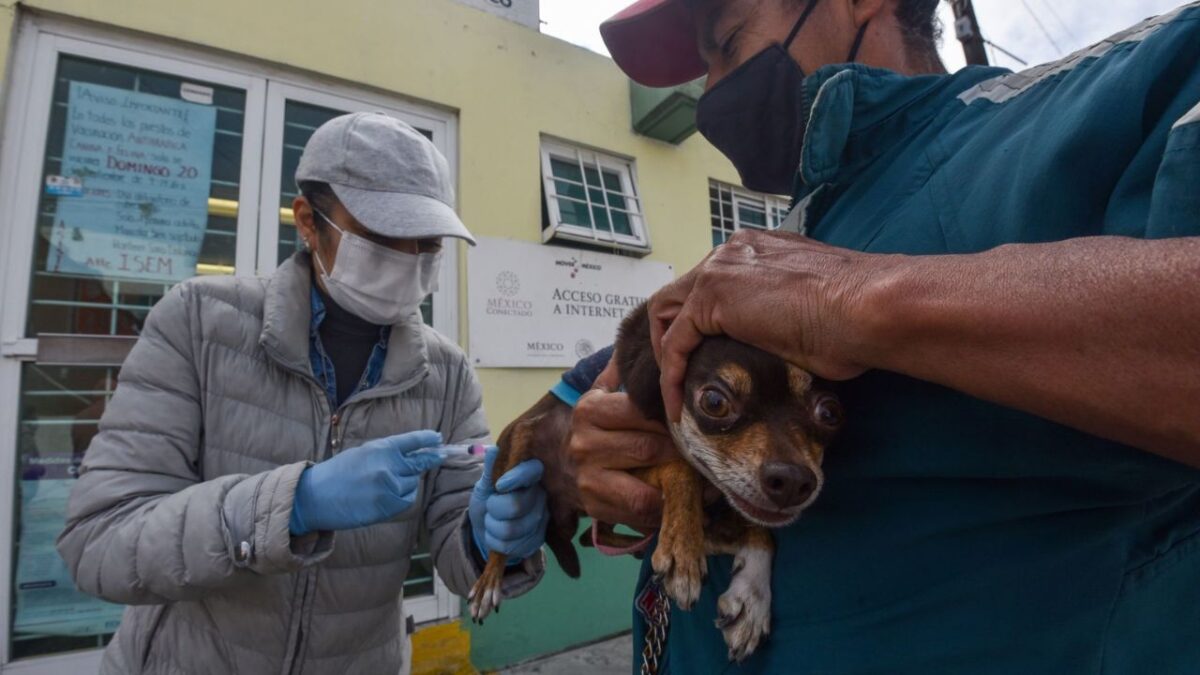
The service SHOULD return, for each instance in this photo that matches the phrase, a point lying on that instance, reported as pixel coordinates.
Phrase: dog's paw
(485, 595)
(682, 571)
(744, 610)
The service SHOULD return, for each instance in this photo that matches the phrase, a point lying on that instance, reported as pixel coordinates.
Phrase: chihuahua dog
(753, 426)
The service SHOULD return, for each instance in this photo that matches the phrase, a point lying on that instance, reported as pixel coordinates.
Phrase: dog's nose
(787, 484)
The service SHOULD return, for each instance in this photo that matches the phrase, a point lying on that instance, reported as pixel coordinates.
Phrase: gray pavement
(609, 657)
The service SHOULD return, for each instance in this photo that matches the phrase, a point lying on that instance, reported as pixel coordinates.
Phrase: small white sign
(196, 93)
(64, 186)
(537, 306)
(525, 12)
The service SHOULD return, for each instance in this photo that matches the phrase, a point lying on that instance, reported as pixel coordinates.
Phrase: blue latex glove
(509, 516)
(365, 485)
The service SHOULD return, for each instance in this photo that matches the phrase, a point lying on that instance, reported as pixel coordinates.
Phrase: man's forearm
(1101, 334)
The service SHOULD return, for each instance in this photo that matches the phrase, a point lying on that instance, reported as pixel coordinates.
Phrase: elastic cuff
(566, 393)
(237, 514)
(277, 550)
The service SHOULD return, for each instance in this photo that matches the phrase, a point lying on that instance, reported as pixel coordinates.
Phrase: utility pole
(966, 29)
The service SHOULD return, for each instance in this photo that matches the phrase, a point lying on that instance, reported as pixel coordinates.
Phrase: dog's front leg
(679, 558)
(744, 609)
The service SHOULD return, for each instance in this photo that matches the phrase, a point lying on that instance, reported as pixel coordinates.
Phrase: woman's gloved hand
(509, 516)
(365, 485)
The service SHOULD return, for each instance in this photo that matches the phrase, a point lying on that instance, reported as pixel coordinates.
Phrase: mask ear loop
(862, 31)
(812, 4)
(313, 250)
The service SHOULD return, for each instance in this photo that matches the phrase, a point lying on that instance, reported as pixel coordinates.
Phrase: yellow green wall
(8, 12)
(508, 85)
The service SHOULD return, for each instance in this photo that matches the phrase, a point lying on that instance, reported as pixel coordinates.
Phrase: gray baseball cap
(387, 175)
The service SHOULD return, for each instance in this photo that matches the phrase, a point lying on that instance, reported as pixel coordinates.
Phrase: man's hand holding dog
(1051, 329)
(785, 294)
(609, 437)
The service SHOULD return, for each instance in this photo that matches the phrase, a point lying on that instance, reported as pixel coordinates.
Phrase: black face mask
(756, 116)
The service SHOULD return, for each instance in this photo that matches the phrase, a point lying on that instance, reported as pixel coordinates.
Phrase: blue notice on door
(144, 165)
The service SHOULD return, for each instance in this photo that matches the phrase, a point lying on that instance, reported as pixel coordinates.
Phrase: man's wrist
(884, 309)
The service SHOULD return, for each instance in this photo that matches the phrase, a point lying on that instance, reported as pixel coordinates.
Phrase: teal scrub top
(954, 535)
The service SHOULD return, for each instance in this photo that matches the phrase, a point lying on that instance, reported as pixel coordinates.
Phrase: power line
(1007, 53)
(1057, 17)
(1041, 26)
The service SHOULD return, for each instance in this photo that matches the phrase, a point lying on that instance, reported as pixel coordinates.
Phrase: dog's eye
(714, 404)
(828, 412)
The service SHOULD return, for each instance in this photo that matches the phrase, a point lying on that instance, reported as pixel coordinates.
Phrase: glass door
(142, 165)
(127, 167)
(293, 114)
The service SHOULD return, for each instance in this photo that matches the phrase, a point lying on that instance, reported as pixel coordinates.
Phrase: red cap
(654, 42)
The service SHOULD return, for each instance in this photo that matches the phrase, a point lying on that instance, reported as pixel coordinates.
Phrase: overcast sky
(1066, 25)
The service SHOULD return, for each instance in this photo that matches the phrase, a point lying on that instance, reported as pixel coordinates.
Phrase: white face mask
(376, 283)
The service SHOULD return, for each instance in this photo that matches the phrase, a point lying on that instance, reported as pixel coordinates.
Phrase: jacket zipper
(335, 440)
(309, 576)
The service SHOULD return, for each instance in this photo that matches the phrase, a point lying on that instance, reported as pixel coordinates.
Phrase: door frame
(27, 120)
(26, 98)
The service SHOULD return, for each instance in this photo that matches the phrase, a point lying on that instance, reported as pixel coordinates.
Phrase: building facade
(144, 142)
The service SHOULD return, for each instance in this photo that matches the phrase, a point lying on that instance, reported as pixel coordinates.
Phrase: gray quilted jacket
(182, 507)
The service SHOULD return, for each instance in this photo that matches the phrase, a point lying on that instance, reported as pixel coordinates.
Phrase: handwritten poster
(145, 164)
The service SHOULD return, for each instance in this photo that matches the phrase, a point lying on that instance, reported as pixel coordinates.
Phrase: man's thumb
(609, 379)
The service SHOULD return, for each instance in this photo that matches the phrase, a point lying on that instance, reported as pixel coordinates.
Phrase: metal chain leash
(658, 619)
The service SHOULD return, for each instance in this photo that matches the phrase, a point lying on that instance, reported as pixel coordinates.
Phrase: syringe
(451, 450)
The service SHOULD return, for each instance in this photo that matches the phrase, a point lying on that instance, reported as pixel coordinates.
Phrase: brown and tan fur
(764, 456)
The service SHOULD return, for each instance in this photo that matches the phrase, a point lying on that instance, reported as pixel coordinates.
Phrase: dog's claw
(744, 610)
(485, 595)
(724, 620)
(682, 574)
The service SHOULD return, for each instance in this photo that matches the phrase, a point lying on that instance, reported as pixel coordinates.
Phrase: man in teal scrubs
(1004, 269)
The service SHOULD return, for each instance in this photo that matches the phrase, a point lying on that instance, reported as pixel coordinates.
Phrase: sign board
(46, 598)
(525, 12)
(64, 186)
(139, 169)
(537, 306)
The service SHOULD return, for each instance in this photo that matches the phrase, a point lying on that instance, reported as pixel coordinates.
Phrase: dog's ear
(636, 364)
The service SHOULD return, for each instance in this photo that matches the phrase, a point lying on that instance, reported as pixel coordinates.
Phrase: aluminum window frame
(774, 207)
(588, 158)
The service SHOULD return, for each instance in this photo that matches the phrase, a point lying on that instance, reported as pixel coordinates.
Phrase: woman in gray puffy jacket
(271, 453)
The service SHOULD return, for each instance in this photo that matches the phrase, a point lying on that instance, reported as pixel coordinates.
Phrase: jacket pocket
(1155, 621)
